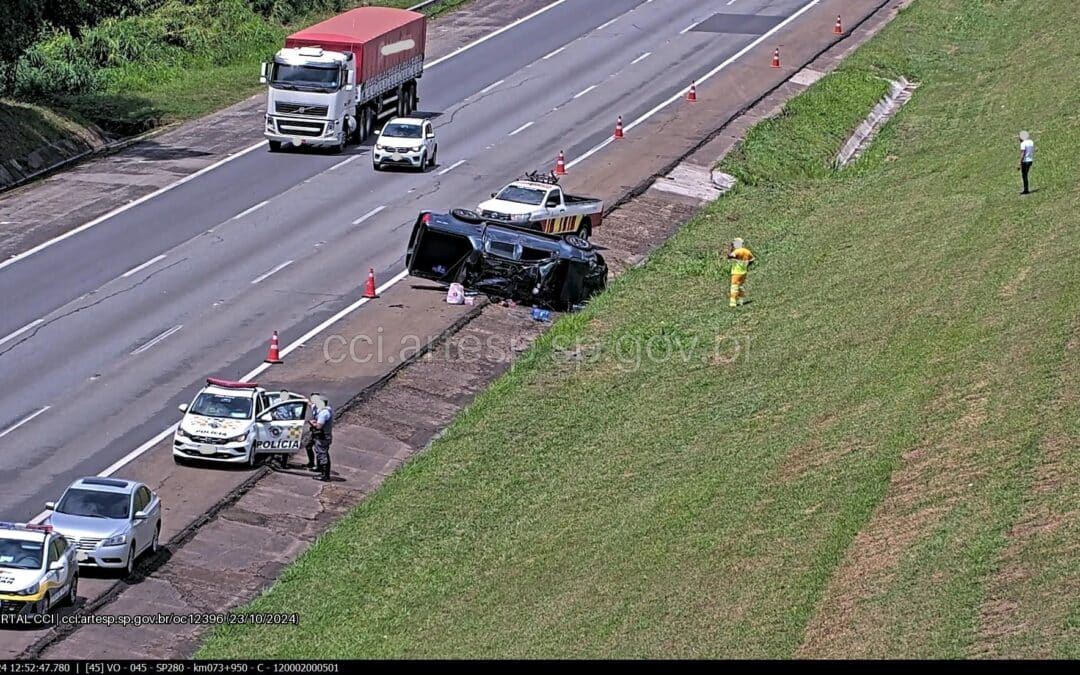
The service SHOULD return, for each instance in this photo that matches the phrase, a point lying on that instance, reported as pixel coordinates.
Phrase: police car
(240, 423)
(38, 569)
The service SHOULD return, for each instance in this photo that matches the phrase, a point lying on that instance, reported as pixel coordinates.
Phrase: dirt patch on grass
(931, 479)
(816, 453)
(1026, 607)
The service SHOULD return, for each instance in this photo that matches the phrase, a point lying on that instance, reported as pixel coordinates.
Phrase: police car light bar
(6, 525)
(228, 384)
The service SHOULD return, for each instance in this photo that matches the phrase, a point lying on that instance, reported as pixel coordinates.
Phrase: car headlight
(115, 540)
(32, 590)
(180, 432)
(520, 218)
(380, 147)
(239, 439)
(330, 125)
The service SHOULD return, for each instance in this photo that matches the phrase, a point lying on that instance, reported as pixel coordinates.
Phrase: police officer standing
(322, 434)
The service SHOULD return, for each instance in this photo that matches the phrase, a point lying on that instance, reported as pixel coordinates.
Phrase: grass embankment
(133, 74)
(889, 470)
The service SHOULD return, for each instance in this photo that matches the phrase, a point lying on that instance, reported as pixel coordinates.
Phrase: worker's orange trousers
(737, 293)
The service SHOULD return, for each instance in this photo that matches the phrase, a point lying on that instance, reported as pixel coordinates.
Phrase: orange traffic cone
(776, 58)
(273, 355)
(369, 290)
(839, 27)
(618, 127)
(692, 94)
(560, 165)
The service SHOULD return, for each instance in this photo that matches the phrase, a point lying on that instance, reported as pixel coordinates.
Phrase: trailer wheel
(369, 122)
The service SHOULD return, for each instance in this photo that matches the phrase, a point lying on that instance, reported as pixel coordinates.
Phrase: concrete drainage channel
(900, 92)
(235, 551)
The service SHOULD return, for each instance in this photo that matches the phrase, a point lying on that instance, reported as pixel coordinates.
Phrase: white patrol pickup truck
(38, 570)
(538, 203)
(237, 422)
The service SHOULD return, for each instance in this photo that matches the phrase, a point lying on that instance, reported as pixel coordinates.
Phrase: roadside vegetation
(875, 458)
(141, 64)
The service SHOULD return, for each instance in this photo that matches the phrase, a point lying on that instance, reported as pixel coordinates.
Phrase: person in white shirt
(1027, 156)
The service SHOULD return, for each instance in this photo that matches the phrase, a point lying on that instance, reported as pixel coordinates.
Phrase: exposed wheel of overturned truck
(578, 242)
(467, 215)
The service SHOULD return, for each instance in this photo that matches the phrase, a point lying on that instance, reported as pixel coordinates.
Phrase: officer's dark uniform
(321, 439)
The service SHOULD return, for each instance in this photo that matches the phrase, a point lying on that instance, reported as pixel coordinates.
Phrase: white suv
(406, 141)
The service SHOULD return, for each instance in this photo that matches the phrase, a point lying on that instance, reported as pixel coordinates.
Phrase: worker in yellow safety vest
(741, 258)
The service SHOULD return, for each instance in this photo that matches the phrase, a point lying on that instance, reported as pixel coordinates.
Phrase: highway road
(105, 332)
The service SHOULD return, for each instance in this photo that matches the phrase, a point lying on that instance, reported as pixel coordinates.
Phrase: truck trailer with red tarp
(332, 82)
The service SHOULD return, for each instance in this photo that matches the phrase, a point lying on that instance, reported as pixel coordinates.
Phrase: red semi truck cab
(332, 82)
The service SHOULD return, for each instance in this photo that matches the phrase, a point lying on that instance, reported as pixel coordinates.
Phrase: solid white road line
(251, 210)
(15, 426)
(145, 447)
(607, 23)
(367, 215)
(277, 269)
(22, 330)
(523, 127)
(343, 163)
(641, 58)
(451, 167)
(261, 144)
(550, 54)
(100, 219)
(584, 91)
(491, 86)
(140, 268)
(487, 37)
(689, 28)
(156, 340)
(732, 59)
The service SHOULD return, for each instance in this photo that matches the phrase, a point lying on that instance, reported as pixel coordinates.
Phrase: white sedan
(406, 141)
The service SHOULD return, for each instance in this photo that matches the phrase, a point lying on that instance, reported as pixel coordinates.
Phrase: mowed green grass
(876, 457)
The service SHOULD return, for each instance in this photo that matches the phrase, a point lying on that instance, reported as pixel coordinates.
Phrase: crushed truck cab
(538, 203)
(240, 422)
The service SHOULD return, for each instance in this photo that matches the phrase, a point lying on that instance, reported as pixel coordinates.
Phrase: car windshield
(216, 405)
(522, 195)
(20, 554)
(304, 77)
(94, 504)
(402, 131)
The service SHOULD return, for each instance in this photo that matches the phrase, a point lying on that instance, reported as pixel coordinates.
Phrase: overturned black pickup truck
(503, 261)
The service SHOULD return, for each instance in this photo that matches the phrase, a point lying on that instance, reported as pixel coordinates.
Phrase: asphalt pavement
(124, 320)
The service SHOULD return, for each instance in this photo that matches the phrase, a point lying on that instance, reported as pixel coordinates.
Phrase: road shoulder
(240, 550)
